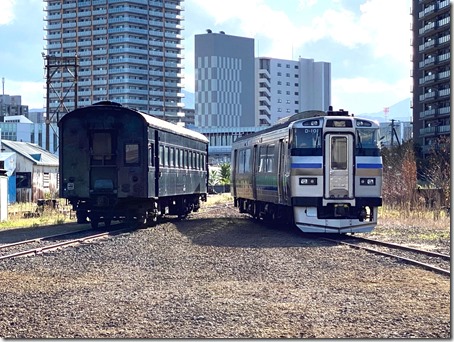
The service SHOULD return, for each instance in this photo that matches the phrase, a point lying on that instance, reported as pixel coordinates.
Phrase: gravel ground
(219, 274)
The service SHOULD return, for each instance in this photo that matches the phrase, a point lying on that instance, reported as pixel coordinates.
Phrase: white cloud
(389, 30)
(6, 11)
(303, 4)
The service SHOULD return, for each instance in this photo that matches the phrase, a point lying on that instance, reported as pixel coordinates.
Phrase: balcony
(427, 113)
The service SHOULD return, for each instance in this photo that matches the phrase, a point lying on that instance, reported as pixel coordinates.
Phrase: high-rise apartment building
(431, 71)
(286, 87)
(224, 81)
(128, 51)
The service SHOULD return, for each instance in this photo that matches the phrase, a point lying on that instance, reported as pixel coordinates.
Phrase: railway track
(44, 244)
(433, 261)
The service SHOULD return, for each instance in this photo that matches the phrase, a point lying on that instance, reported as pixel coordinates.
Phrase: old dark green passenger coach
(119, 164)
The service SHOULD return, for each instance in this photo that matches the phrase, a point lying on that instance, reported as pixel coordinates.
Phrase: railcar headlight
(308, 181)
(367, 181)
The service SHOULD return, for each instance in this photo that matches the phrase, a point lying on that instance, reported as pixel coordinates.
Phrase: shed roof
(33, 152)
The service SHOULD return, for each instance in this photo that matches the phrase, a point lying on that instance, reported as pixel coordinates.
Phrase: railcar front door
(339, 166)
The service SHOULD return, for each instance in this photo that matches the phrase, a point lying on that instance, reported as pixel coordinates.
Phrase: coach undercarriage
(143, 212)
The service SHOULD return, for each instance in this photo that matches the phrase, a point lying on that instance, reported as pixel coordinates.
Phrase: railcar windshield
(306, 142)
(367, 142)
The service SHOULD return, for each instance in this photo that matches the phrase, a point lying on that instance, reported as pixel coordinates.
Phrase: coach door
(103, 167)
(339, 166)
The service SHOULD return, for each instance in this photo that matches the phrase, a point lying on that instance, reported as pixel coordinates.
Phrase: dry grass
(30, 215)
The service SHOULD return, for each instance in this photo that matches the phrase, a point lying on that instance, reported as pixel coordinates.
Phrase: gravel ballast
(219, 274)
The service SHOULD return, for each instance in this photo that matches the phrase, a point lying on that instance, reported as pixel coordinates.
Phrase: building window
(46, 179)
(23, 180)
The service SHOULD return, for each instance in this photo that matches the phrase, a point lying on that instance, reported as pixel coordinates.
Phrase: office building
(128, 51)
(224, 81)
(431, 71)
(286, 87)
(12, 105)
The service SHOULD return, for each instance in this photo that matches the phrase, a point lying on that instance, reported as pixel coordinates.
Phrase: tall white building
(129, 51)
(286, 87)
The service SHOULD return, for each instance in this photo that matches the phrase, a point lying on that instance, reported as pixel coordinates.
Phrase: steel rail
(407, 248)
(410, 261)
(39, 250)
(38, 239)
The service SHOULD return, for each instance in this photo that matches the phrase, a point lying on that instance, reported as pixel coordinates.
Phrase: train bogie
(120, 164)
(324, 170)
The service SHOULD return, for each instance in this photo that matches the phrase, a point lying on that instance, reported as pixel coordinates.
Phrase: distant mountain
(188, 100)
(399, 111)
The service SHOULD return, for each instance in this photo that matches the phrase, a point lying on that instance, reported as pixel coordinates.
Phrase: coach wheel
(107, 222)
(94, 222)
(81, 216)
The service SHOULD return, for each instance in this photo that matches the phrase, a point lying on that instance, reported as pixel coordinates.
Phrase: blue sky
(367, 43)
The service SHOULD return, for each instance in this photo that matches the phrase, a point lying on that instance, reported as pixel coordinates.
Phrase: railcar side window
(270, 158)
(247, 160)
(131, 153)
(244, 160)
(266, 158)
(262, 159)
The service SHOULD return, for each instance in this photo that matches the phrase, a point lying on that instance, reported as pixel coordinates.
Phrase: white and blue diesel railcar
(321, 171)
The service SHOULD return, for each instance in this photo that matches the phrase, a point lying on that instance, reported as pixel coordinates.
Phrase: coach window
(151, 154)
(131, 153)
(181, 159)
(172, 157)
(166, 155)
(185, 159)
(101, 148)
(161, 155)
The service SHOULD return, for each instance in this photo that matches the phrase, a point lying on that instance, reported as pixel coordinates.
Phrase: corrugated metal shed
(36, 171)
(33, 152)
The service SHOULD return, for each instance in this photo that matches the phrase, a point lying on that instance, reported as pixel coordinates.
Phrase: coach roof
(151, 120)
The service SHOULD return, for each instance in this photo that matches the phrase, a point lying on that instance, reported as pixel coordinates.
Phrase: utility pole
(394, 133)
(55, 67)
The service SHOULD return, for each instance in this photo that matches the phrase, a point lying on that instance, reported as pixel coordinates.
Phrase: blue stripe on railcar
(369, 166)
(306, 165)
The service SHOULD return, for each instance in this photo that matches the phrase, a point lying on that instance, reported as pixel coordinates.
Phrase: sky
(367, 43)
